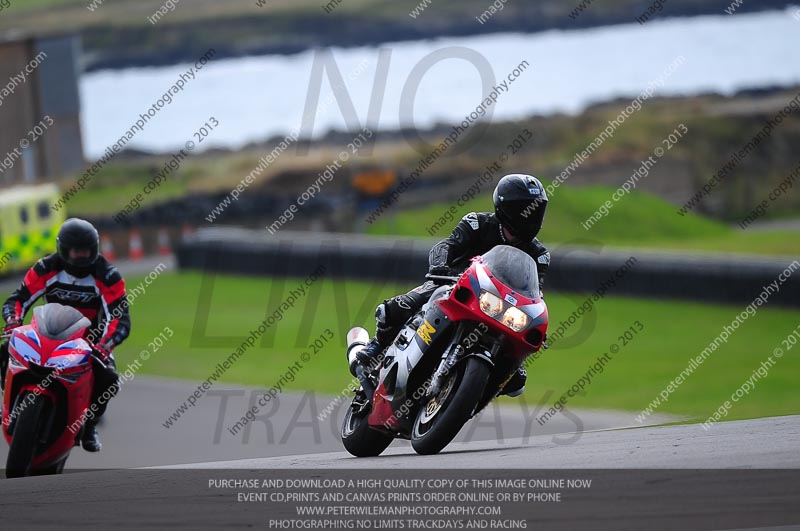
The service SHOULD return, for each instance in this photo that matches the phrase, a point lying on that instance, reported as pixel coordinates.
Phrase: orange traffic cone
(107, 247)
(163, 242)
(135, 251)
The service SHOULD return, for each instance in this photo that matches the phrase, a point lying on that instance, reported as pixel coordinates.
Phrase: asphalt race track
(134, 435)
(760, 443)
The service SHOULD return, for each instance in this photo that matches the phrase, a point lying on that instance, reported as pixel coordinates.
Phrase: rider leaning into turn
(78, 276)
(519, 206)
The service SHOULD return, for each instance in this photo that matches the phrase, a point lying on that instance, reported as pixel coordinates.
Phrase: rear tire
(361, 440)
(23, 442)
(442, 417)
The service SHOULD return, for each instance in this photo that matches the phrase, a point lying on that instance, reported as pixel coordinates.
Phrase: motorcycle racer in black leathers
(520, 202)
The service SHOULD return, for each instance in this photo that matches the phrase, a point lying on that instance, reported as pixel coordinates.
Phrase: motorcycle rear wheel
(23, 442)
(361, 440)
(439, 421)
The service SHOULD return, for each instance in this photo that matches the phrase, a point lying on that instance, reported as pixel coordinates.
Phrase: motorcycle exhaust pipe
(357, 339)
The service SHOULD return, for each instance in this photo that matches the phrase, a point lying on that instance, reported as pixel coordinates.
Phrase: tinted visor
(83, 261)
(524, 219)
(89, 248)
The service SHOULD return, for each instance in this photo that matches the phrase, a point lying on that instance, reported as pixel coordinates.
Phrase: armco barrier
(735, 279)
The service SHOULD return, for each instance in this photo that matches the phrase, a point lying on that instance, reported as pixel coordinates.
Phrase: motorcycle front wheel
(23, 442)
(439, 421)
(57, 468)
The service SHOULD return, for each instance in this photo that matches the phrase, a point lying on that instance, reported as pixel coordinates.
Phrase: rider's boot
(369, 354)
(384, 334)
(90, 440)
(367, 359)
(106, 382)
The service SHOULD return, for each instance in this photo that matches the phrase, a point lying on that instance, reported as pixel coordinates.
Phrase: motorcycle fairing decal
(417, 350)
(538, 321)
(475, 285)
(67, 360)
(75, 344)
(412, 354)
(535, 310)
(485, 282)
(425, 331)
(389, 379)
(33, 336)
(394, 373)
(25, 350)
(433, 314)
(382, 417)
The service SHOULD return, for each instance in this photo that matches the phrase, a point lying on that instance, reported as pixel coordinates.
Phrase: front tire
(23, 442)
(439, 421)
(361, 440)
(57, 468)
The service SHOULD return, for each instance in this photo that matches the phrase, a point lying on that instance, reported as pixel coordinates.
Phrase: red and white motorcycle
(48, 389)
(449, 360)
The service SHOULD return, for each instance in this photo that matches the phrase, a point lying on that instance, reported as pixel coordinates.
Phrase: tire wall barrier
(721, 279)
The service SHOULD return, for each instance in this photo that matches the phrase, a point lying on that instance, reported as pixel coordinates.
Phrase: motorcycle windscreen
(59, 322)
(514, 268)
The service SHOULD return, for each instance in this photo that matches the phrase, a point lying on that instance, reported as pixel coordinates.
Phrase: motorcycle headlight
(491, 304)
(12, 361)
(515, 319)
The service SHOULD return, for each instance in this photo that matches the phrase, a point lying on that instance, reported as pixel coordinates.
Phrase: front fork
(456, 352)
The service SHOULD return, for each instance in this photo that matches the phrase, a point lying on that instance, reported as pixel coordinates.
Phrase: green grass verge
(117, 184)
(673, 333)
(639, 220)
(32, 5)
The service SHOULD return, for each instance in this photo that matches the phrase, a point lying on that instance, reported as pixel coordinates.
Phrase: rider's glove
(11, 324)
(117, 338)
(102, 352)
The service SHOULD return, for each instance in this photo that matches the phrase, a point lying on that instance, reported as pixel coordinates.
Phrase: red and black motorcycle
(48, 389)
(451, 359)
